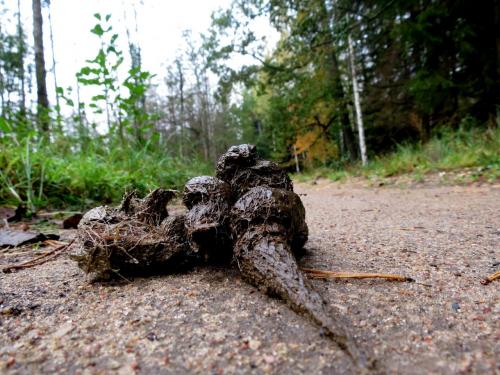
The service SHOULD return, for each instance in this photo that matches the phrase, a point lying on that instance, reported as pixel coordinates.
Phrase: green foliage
(136, 119)
(101, 71)
(446, 151)
(80, 166)
(126, 116)
(53, 175)
(420, 65)
(13, 54)
(427, 72)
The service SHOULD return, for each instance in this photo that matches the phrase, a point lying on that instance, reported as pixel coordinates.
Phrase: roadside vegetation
(54, 175)
(473, 151)
(373, 89)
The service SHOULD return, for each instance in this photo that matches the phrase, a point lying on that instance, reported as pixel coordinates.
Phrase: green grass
(55, 175)
(58, 175)
(447, 151)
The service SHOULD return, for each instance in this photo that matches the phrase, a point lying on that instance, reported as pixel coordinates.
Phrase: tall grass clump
(447, 150)
(57, 174)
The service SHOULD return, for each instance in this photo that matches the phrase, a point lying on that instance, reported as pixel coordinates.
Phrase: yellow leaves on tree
(314, 146)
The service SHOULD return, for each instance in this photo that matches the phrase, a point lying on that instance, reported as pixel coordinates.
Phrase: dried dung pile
(207, 221)
(140, 237)
(242, 169)
(135, 238)
(247, 213)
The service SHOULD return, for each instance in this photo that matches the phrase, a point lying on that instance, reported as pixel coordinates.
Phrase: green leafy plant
(126, 116)
(101, 71)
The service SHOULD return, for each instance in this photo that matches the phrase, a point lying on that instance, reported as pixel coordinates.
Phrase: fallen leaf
(10, 362)
(72, 221)
(10, 237)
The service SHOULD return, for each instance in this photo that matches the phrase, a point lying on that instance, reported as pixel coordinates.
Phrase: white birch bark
(297, 166)
(53, 60)
(357, 104)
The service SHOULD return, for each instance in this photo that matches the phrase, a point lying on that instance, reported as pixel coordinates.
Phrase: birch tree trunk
(296, 158)
(357, 105)
(41, 73)
(58, 106)
(21, 46)
(181, 115)
(347, 133)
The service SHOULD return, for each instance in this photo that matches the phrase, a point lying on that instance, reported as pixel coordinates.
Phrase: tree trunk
(357, 104)
(496, 98)
(42, 99)
(296, 158)
(81, 123)
(335, 80)
(181, 114)
(20, 36)
(58, 105)
(208, 113)
(338, 91)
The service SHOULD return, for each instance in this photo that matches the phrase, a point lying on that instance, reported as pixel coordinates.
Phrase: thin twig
(38, 260)
(491, 278)
(55, 243)
(323, 274)
(21, 253)
(410, 228)
(46, 254)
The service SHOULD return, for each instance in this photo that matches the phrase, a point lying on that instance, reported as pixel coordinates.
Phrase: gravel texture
(209, 321)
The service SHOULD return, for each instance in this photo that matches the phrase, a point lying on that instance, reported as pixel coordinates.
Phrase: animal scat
(207, 221)
(203, 189)
(267, 224)
(261, 205)
(264, 222)
(129, 202)
(153, 208)
(235, 158)
(262, 173)
(137, 237)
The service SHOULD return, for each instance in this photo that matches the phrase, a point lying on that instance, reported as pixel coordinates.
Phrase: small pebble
(10, 362)
(268, 359)
(135, 366)
(254, 344)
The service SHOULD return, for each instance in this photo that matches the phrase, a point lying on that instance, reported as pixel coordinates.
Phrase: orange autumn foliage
(313, 146)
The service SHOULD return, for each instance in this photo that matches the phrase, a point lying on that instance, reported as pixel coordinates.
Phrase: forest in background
(348, 83)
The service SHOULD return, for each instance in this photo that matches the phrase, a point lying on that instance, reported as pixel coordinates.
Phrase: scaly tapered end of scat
(265, 259)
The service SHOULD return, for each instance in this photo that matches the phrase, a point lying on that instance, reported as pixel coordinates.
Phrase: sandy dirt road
(210, 322)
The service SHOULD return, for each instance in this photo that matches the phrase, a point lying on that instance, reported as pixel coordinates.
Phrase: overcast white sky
(160, 25)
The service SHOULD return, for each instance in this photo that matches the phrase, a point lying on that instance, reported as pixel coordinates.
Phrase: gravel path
(209, 321)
